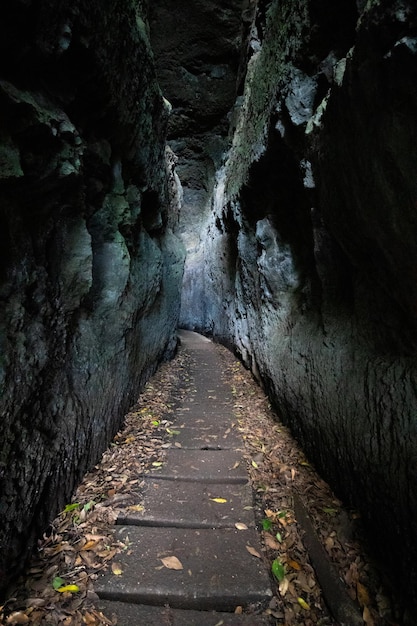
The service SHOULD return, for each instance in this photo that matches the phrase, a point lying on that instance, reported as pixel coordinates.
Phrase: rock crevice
(306, 256)
(291, 127)
(91, 271)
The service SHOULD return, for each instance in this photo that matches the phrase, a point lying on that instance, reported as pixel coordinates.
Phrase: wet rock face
(308, 253)
(197, 47)
(90, 270)
(377, 227)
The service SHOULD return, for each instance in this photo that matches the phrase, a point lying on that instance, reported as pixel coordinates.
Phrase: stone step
(209, 379)
(219, 412)
(181, 518)
(213, 466)
(205, 436)
(218, 571)
(203, 391)
(192, 505)
(206, 420)
(140, 615)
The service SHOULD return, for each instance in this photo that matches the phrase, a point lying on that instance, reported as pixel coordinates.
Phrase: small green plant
(278, 570)
(78, 511)
(71, 507)
(57, 582)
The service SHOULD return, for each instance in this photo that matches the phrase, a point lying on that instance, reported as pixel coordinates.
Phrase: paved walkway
(187, 563)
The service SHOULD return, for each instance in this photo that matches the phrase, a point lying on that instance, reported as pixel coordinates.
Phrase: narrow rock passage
(175, 478)
(190, 553)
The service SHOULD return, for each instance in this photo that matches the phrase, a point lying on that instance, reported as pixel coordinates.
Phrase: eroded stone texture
(308, 256)
(90, 269)
(197, 46)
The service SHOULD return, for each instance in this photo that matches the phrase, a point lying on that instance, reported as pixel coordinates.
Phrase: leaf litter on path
(81, 542)
(278, 470)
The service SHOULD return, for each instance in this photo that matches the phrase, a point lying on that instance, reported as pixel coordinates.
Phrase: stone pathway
(192, 504)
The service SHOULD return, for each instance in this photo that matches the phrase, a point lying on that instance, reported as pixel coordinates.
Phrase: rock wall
(90, 271)
(197, 49)
(309, 253)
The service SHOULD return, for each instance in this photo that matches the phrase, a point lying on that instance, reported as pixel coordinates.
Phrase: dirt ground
(57, 587)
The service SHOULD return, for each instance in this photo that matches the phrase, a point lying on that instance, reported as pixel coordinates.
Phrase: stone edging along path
(192, 552)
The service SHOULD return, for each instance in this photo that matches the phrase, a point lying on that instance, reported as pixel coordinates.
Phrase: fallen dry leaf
(253, 552)
(116, 568)
(95, 618)
(17, 618)
(329, 544)
(68, 589)
(367, 617)
(136, 507)
(90, 544)
(303, 604)
(171, 562)
(35, 602)
(362, 595)
(271, 542)
(283, 586)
